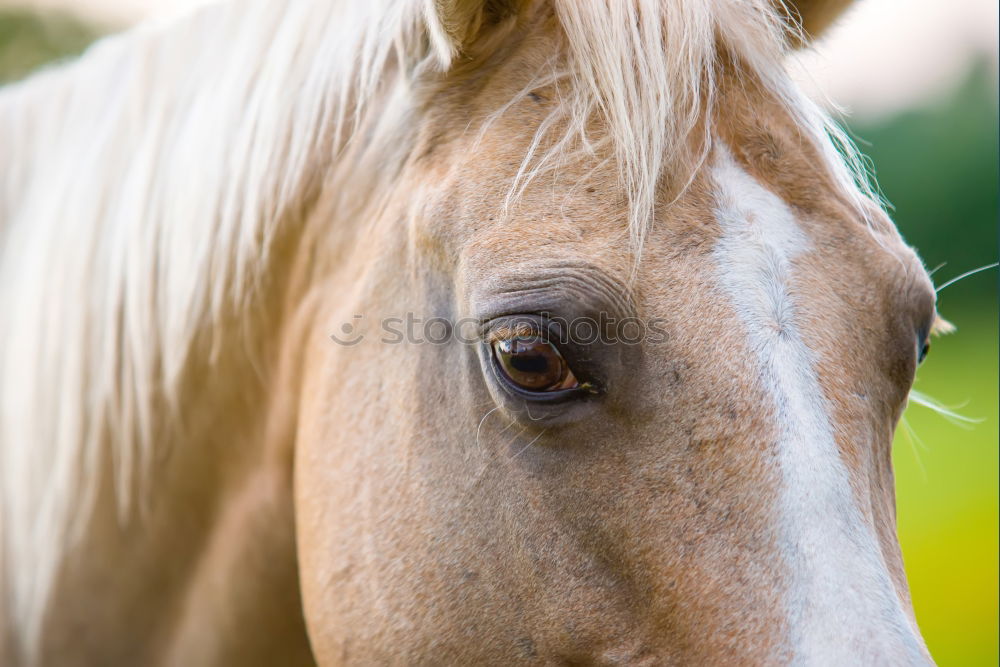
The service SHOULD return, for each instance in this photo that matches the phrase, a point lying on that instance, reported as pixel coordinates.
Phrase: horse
(659, 332)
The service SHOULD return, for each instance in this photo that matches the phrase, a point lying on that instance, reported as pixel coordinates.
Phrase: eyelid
(513, 329)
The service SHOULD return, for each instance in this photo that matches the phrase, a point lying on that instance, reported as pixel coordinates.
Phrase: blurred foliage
(938, 165)
(29, 39)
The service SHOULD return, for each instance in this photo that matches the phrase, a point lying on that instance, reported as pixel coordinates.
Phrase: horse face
(684, 459)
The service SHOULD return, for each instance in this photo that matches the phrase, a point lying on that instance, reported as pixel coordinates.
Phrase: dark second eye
(925, 348)
(533, 364)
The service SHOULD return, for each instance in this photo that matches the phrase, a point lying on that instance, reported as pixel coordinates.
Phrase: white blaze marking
(842, 607)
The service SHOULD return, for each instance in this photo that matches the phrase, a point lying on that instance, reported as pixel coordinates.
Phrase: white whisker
(966, 275)
(527, 411)
(525, 448)
(504, 429)
(948, 412)
(479, 428)
(915, 445)
(937, 268)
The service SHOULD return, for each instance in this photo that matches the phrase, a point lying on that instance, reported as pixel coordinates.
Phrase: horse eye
(924, 350)
(533, 364)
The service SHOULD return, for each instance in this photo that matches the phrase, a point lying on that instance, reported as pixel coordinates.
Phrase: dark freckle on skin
(591, 189)
(699, 445)
(673, 376)
(527, 647)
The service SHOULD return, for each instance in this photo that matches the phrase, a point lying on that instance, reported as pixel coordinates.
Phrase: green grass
(947, 489)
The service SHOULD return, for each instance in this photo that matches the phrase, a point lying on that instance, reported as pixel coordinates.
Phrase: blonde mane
(143, 186)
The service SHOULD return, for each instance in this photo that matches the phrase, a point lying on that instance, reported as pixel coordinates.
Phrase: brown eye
(533, 364)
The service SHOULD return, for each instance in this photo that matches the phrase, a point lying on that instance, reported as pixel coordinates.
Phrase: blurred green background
(938, 165)
(29, 39)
